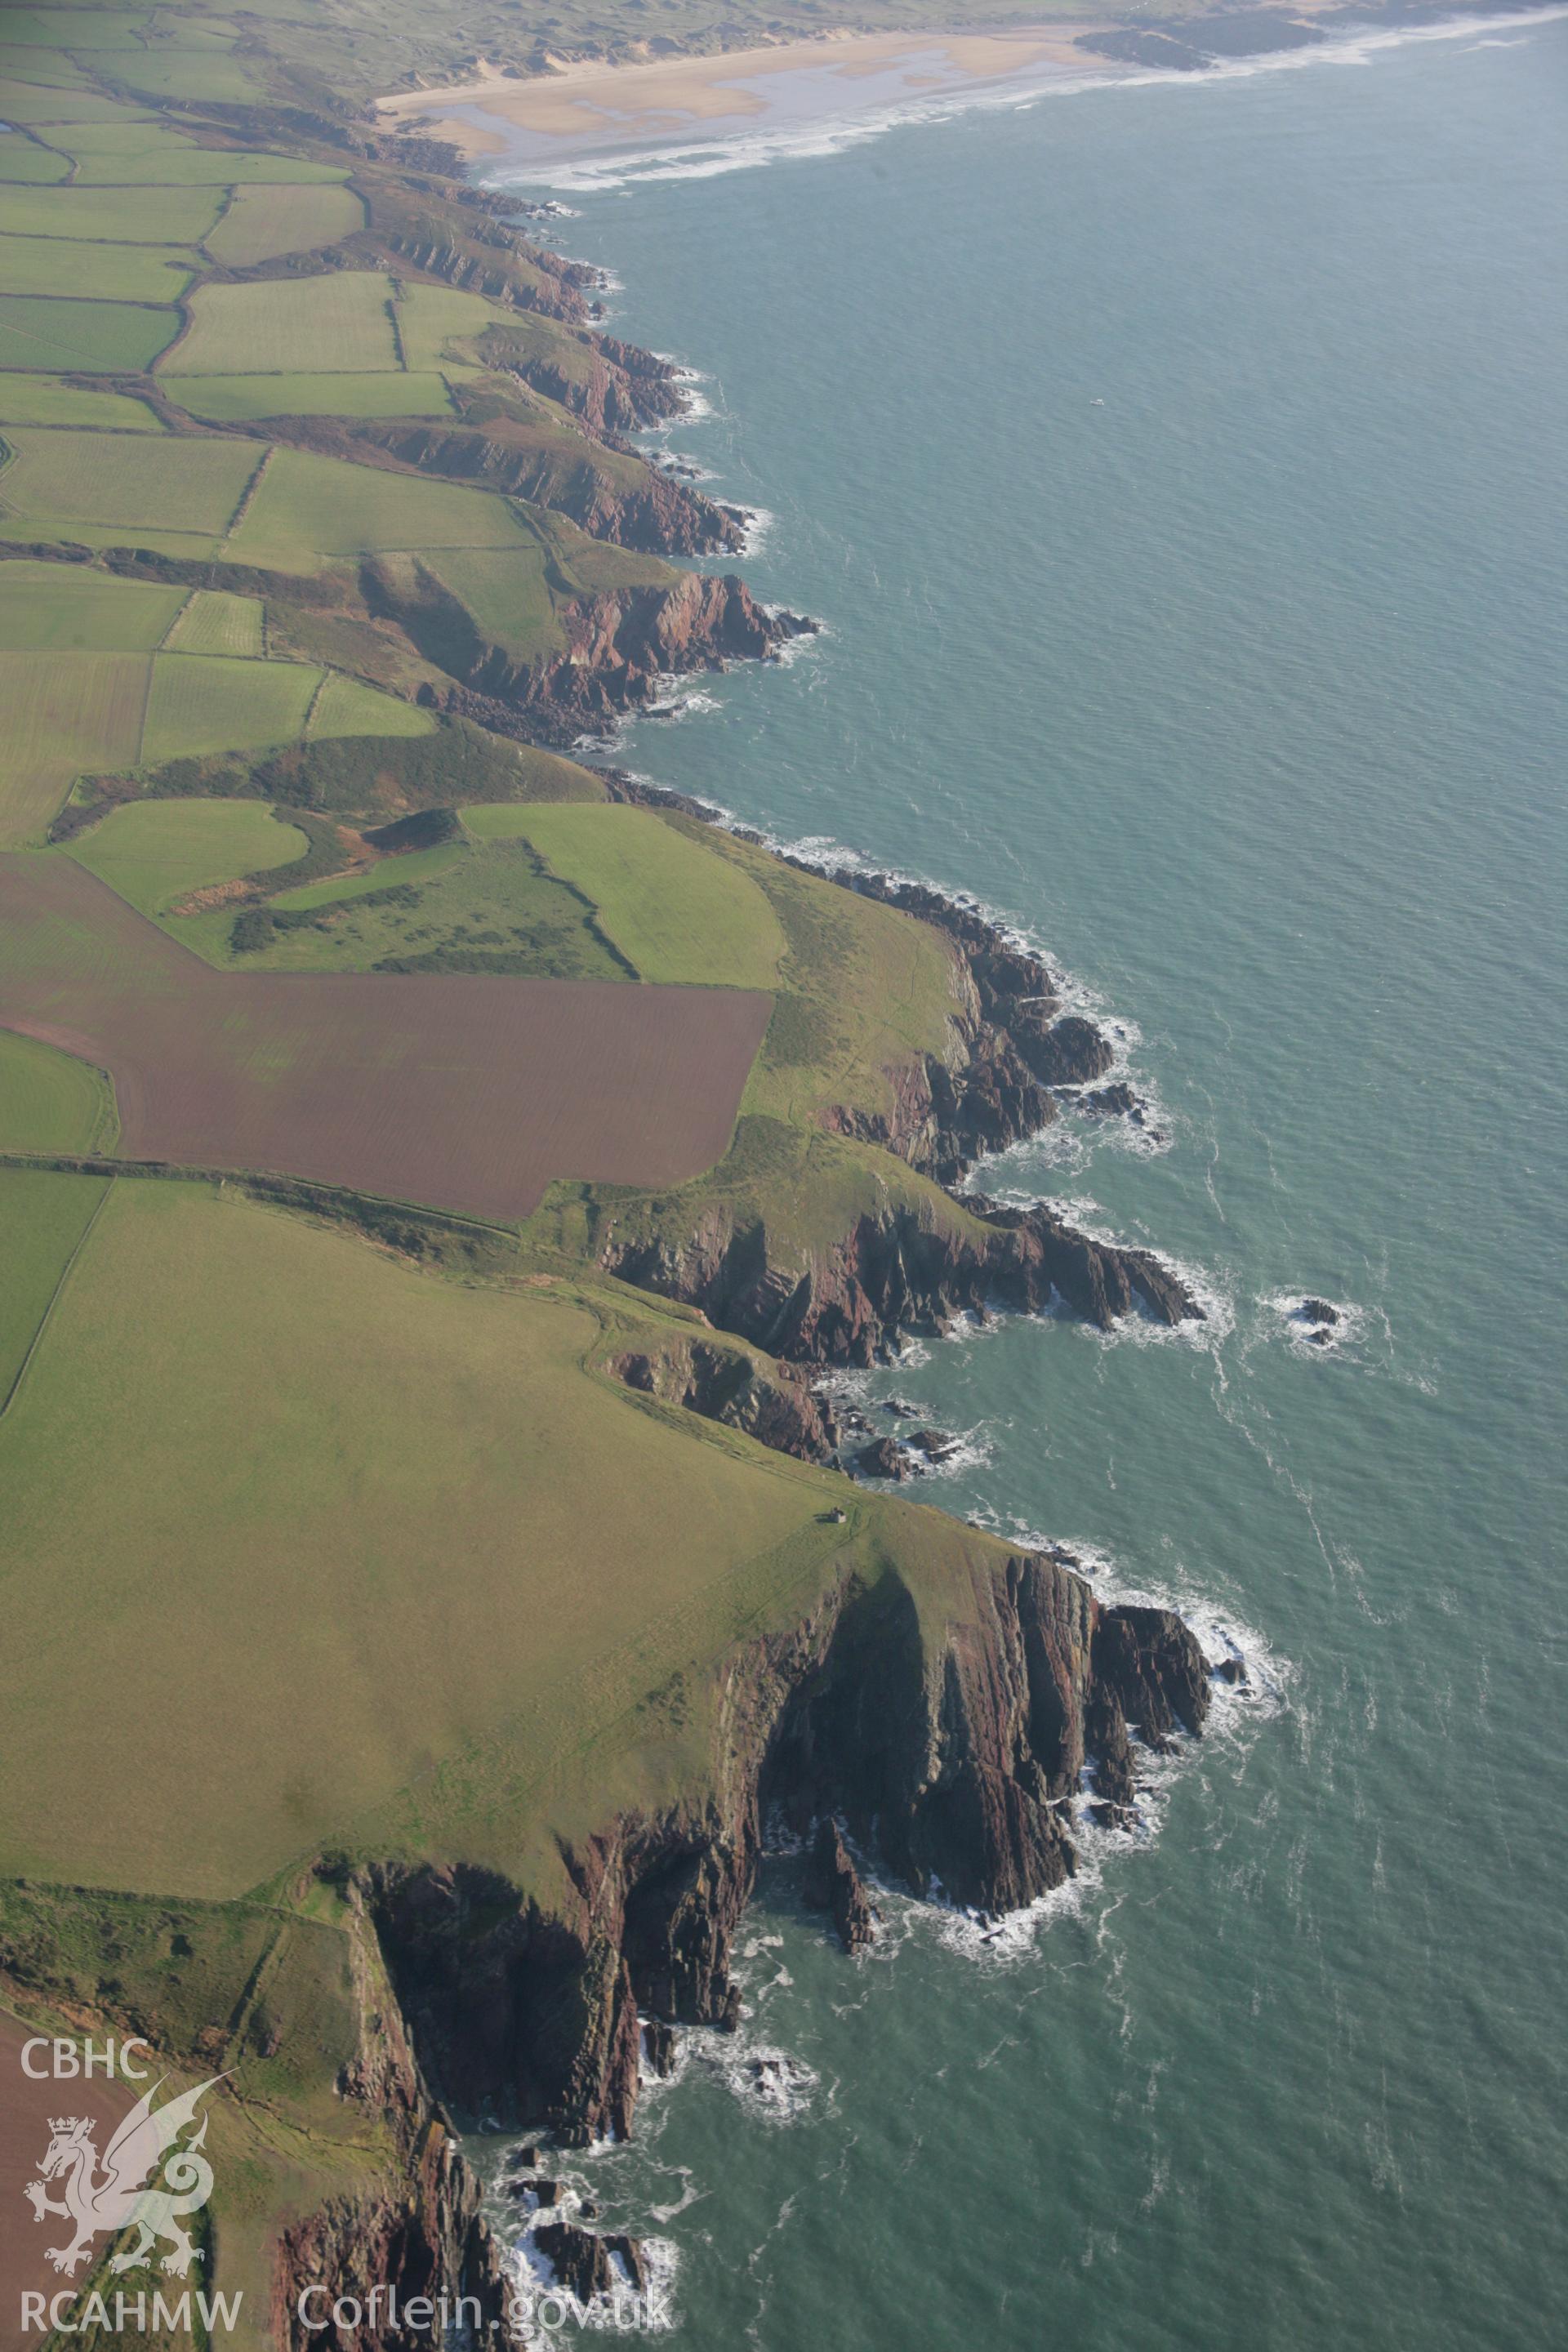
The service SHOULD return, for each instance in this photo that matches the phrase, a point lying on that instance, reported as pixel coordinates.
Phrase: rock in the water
(1149, 1661)
(1067, 1053)
(884, 1459)
(1231, 1670)
(1110, 1102)
(900, 1409)
(628, 2251)
(585, 2262)
(934, 1444)
(833, 1883)
(658, 2047)
(1318, 1310)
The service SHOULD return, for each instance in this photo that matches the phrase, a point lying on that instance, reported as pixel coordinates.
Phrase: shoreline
(591, 115)
(597, 103)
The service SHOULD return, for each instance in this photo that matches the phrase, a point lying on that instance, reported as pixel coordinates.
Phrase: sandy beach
(598, 105)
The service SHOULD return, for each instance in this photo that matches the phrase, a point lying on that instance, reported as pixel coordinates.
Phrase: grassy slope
(281, 2002)
(44, 1217)
(45, 400)
(61, 714)
(155, 852)
(215, 622)
(338, 321)
(51, 1102)
(66, 608)
(238, 399)
(108, 273)
(262, 223)
(115, 215)
(390, 1470)
(207, 703)
(679, 913)
(92, 337)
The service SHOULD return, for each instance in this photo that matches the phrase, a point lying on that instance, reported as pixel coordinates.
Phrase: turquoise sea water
(1242, 691)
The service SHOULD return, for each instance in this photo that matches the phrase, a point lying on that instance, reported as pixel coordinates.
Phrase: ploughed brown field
(25, 2109)
(464, 1092)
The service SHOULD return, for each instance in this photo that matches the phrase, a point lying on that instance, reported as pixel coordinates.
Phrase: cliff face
(893, 1273)
(652, 513)
(424, 2237)
(614, 387)
(620, 648)
(951, 1754)
(428, 2241)
(902, 1268)
(774, 1403)
(616, 498)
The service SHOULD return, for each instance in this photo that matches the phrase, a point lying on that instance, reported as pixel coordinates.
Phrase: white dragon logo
(106, 2193)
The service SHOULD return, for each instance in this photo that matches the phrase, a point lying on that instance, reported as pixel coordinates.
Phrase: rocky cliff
(897, 1271)
(772, 1403)
(614, 387)
(619, 648)
(426, 2242)
(631, 504)
(906, 1267)
(419, 2236)
(955, 1748)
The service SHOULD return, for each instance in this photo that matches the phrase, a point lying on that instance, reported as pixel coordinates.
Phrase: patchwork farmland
(464, 1092)
(332, 323)
(261, 223)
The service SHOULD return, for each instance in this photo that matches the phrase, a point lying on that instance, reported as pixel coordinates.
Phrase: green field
(676, 910)
(77, 28)
(61, 716)
(435, 320)
(412, 870)
(66, 608)
(214, 623)
(45, 400)
(132, 152)
(348, 707)
(43, 1217)
(450, 909)
(370, 1468)
(508, 595)
(201, 703)
(94, 486)
(339, 323)
(262, 223)
(155, 852)
(51, 67)
(237, 399)
(107, 273)
(192, 74)
(91, 338)
(310, 508)
(23, 161)
(115, 217)
(50, 1102)
(29, 103)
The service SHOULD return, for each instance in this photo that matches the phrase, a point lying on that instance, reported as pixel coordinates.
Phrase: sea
(1179, 468)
